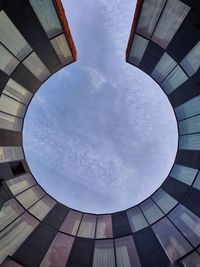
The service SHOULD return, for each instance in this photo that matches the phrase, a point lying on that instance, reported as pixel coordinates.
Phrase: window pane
(30, 196)
(136, 219)
(21, 183)
(173, 15)
(192, 260)
(58, 253)
(10, 263)
(183, 174)
(138, 48)
(151, 211)
(15, 234)
(126, 253)
(9, 212)
(17, 92)
(9, 153)
(191, 62)
(188, 109)
(42, 207)
(47, 16)
(8, 62)
(171, 240)
(62, 49)
(10, 122)
(190, 142)
(35, 65)
(12, 38)
(104, 254)
(164, 200)
(163, 68)
(187, 223)
(12, 106)
(71, 222)
(104, 227)
(174, 80)
(197, 182)
(87, 227)
(191, 125)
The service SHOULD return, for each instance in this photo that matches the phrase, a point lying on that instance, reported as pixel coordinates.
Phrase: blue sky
(100, 135)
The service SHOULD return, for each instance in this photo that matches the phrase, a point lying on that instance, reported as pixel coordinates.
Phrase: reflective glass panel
(164, 200)
(188, 109)
(151, 211)
(104, 227)
(9, 153)
(192, 260)
(87, 227)
(10, 122)
(190, 142)
(138, 48)
(183, 173)
(8, 62)
(173, 15)
(136, 219)
(104, 254)
(71, 222)
(197, 182)
(12, 106)
(191, 125)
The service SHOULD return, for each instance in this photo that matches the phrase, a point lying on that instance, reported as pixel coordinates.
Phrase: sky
(100, 135)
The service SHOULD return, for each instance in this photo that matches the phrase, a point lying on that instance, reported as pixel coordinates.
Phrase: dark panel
(189, 158)
(192, 200)
(175, 188)
(81, 253)
(25, 164)
(121, 224)
(3, 80)
(10, 138)
(149, 249)
(17, 168)
(5, 171)
(5, 194)
(56, 216)
(24, 77)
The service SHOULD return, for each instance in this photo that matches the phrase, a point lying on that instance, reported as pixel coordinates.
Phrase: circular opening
(100, 136)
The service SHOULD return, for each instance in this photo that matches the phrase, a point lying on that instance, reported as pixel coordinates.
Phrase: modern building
(35, 229)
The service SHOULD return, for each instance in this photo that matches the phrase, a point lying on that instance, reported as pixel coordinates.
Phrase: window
(197, 182)
(171, 240)
(71, 222)
(191, 62)
(191, 260)
(187, 223)
(9, 153)
(35, 65)
(174, 80)
(126, 253)
(173, 15)
(191, 125)
(10, 122)
(151, 211)
(104, 254)
(165, 65)
(8, 62)
(104, 227)
(87, 227)
(47, 16)
(188, 109)
(183, 173)
(164, 200)
(58, 253)
(61, 47)
(10, 263)
(138, 48)
(12, 106)
(21, 183)
(190, 142)
(136, 219)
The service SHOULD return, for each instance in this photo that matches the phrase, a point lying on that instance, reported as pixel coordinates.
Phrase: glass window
(61, 47)
(87, 227)
(30, 196)
(191, 260)
(8, 62)
(151, 211)
(15, 234)
(71, 222)
(17, 92)
(191, 62)
(42, 207)
(174, 80)
(191, 125)
(171, 240)
(183, 173)
(173, 15)
(21, 183)
(12, 106)
(126, 253)
(9, 212)
(164, 200)
(197, 182)
(149, 16)
(138, 48)
(188, 109)
(165, 65)
(187, 223)
(10, 122)
(136, 219)
(12, 38)
(9, 153)
(190, 142)
(104, 254)
(35, 65)
(10, 263)
(47, 16)
(104, 227)
(59, 251)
